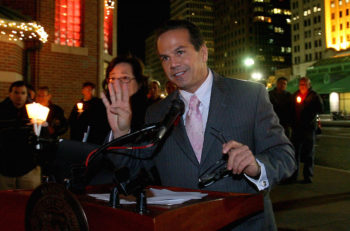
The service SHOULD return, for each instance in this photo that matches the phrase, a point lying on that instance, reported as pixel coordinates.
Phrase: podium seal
(52, 207)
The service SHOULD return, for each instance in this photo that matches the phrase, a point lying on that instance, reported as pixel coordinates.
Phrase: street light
(257, 76)
(248, 62)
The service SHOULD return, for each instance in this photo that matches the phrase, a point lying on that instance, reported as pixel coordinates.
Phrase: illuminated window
(262, 19)
(258, 9)
(276, 11)
(68, 23)
(287, 12)
(108, 26)
(279, 30)
(278, 59)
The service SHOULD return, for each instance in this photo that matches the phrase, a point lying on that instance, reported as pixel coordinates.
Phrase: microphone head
(177, 109)
(179, 106)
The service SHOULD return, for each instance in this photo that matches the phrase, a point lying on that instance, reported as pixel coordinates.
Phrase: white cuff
(261, 183)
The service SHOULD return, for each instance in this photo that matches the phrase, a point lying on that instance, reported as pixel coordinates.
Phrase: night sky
(136, 21)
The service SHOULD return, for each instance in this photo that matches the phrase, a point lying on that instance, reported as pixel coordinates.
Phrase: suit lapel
(217, 109)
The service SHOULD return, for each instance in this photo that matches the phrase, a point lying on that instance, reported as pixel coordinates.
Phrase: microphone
(177, 109)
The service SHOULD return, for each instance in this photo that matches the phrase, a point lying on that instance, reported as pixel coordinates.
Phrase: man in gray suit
(258, 153)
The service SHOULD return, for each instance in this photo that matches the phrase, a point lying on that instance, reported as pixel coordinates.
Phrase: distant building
(153, 67)
(252, 37)
(308, 34)
(81, 40)
(321, 42)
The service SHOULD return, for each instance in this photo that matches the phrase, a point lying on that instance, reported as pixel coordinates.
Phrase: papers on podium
(159, 197)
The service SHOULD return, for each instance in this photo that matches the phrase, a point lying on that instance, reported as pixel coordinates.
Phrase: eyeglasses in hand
(218, 170)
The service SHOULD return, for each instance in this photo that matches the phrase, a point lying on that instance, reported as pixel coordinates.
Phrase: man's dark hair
(136, 66)
(89, 84)
(196, 37)
(30, 87)
(17, 84)
(282, 78)
(45, 88)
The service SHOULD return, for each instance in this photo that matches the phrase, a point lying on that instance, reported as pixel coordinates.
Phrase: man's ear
(204, 52)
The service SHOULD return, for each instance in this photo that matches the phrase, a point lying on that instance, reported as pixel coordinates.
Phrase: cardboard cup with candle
(80, 107)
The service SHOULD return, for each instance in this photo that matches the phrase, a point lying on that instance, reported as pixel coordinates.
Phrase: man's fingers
(231, 145)
(236, 155)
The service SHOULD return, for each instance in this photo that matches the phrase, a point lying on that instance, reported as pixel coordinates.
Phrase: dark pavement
(323, 205)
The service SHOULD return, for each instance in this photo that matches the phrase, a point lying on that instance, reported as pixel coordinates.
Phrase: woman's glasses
(124, 79)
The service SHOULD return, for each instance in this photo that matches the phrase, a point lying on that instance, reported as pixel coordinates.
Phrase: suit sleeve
(272, 147)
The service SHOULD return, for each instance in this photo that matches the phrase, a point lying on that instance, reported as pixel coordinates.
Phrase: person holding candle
(88, 119)
(18, 165)
(306, 105)
(57, 123)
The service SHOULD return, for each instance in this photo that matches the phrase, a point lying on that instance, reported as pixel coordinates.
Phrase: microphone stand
(137, 135)
(82, 175)
(125, 185)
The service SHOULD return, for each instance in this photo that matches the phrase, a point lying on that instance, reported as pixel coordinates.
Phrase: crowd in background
(87, 121)
(296, 112)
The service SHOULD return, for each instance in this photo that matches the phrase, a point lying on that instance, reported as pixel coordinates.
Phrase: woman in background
(129, 72)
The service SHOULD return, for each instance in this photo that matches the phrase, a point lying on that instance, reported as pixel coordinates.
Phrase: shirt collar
(203, 92)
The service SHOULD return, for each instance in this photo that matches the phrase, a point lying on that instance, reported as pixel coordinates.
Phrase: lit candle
(299, 99)
(38, 114)
(80, 107)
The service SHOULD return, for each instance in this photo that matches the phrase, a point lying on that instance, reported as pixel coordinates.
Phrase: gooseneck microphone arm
(154, 133)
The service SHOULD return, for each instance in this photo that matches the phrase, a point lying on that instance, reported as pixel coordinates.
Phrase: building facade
(308, 34)
(81, 41)
(252, 38)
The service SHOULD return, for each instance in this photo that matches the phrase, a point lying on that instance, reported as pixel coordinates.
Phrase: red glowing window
(108, 26)
(68, 23)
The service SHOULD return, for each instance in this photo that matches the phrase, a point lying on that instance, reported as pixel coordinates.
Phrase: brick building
(81, 41)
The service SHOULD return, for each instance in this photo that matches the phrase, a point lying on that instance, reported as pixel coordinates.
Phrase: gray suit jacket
(241, 110)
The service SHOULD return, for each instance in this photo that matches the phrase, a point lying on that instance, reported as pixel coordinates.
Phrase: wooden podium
(213, 212)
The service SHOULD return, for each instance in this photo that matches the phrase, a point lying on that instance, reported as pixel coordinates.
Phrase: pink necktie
(194, 127)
